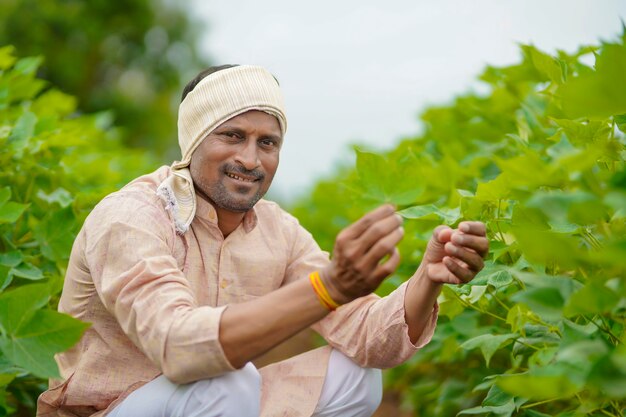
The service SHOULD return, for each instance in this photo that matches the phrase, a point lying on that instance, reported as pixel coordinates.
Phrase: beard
(235, 201)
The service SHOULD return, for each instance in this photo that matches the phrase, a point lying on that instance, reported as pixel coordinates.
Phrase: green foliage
(54, 166)
(131, 57)
(541, 160)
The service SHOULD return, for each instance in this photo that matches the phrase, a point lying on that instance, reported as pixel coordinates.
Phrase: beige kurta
(155, 297)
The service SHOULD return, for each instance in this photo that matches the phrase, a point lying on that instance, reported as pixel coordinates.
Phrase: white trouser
(348, 391)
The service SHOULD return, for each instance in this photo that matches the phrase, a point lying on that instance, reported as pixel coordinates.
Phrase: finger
(387, 268)
(473, 228)
(463, 274)
(440, 273)
(440, 236)
(479, 244)
(377, 231)
(385, 246)
(471, 259)
(357, 228)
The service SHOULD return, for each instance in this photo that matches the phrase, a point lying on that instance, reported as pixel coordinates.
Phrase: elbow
(190, 366)
(178, 374)
(235, 357)
(185, 375)
(238, 363)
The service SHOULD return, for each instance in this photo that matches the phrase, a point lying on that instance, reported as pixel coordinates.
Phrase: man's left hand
(455, 256)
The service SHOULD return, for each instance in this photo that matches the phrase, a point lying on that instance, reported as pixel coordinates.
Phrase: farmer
(186, 275)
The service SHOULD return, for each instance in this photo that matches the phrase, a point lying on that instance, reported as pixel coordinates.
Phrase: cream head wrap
(218, 97)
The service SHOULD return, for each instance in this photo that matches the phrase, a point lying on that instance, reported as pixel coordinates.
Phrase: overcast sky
(362, 71)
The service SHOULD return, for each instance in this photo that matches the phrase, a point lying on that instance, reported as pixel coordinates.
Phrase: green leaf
(545, 64)
(613, 253)
(34, 344)
(449, 303)
(5, 277)
(504, 410)
(585, 133)
(23, 131)
(492, 274)
(476, 294)
(55, 234)
(500, 279)
(620, 121)
(27, 271)
(617, 201)
(518, 316)
(548, 247)
(573, 332)
(609, 374)
(496, 397)
(533, 413)
(529, 171)
(618, 180)
(28, 65)
(6, 57)
(601, 93)
(6, 379)
(370, 168)
(537, 387)
(488, 344)
(543, 357)
(5, 195)
(564, 208)
(19, 304)
(54, 102)
(11, 211)
(494, 190)
(546, 302)
(11, 259)
(593, 298)
(383, 182)
(581, 355)
(431, 212)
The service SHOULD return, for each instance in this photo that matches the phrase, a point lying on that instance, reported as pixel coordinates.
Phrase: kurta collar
(206, 211)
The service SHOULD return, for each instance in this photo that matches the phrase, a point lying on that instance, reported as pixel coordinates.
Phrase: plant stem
(472, 306)
(607, 413)
(527, 344)
(616, 340)
(493, 294)
(539, 403)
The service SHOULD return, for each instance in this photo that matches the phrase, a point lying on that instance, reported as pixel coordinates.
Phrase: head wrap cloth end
(218, 97)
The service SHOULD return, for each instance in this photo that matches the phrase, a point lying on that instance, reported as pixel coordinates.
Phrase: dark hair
(204, 73)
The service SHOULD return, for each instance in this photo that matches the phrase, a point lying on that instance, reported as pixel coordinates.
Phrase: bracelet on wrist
(322, 293)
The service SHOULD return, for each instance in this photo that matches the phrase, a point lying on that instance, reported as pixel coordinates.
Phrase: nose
(248, 155)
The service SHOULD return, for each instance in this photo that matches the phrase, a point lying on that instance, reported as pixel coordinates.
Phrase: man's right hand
(356, 268)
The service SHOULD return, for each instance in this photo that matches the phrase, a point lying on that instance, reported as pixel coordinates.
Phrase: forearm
(250, 329)
(421, 296)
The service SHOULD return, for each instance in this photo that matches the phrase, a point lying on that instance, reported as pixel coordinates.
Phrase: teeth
(238, 177)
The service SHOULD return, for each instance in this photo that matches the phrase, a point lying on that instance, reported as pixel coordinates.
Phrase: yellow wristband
(321, 291)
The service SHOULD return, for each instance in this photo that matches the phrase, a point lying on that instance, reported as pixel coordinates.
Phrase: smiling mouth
(238, 178)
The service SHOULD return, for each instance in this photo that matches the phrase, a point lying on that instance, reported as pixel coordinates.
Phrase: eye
(232, 135)
(268, 143)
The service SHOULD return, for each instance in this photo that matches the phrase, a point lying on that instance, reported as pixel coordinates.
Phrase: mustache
(238, 169)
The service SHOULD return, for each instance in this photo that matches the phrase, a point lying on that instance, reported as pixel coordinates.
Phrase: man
(187, 275)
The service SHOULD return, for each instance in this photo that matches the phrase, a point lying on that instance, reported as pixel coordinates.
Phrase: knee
(248, 378)
(350, 389)
(236, 394)
(243, 391)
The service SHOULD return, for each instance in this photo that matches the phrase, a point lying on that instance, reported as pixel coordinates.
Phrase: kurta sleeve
(129, 254)
(370, 330)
